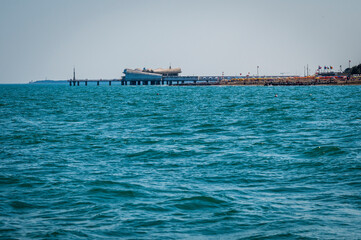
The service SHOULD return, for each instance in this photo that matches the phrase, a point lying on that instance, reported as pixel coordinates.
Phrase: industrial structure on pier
(160, 76)
(148, 75)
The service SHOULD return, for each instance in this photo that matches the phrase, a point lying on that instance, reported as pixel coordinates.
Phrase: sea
(161, 162)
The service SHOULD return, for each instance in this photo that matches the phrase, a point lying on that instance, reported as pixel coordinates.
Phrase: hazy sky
(46, 38)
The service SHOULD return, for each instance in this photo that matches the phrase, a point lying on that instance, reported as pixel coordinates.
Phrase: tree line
(353, 70)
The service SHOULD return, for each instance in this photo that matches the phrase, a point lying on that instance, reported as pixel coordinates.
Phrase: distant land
(48, 81)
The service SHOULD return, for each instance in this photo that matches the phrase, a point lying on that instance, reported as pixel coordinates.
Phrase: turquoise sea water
(180, 162)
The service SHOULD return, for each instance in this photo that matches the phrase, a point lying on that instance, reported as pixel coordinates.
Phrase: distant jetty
(216, 80)
(228, 81)
(170, 77)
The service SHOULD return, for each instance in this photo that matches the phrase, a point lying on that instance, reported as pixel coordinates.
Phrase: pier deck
(168, 80)
(226, 80)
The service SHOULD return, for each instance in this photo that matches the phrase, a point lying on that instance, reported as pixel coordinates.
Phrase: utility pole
(257, 71)
(74, 74)
(307, 70)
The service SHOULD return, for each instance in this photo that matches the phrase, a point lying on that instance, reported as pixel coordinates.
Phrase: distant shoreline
(271, 85)
(48, 81)
(288, 81)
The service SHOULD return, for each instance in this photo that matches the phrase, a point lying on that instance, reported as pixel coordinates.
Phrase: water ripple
(180, 162)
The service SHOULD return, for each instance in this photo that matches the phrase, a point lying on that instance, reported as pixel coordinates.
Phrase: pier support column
(77, 83)
(110, 83)
(69, 83)
(86, 83)
(73, 83)
(97, 83)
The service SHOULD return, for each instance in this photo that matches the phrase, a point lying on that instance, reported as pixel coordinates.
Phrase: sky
(45, 39)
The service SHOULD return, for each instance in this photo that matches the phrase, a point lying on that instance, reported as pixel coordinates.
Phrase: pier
(225, 80)
(170, 77)
(76, 82)
(138, 77)
(167, 80)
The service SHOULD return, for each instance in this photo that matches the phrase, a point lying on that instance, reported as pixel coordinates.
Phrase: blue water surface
(155, 162)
